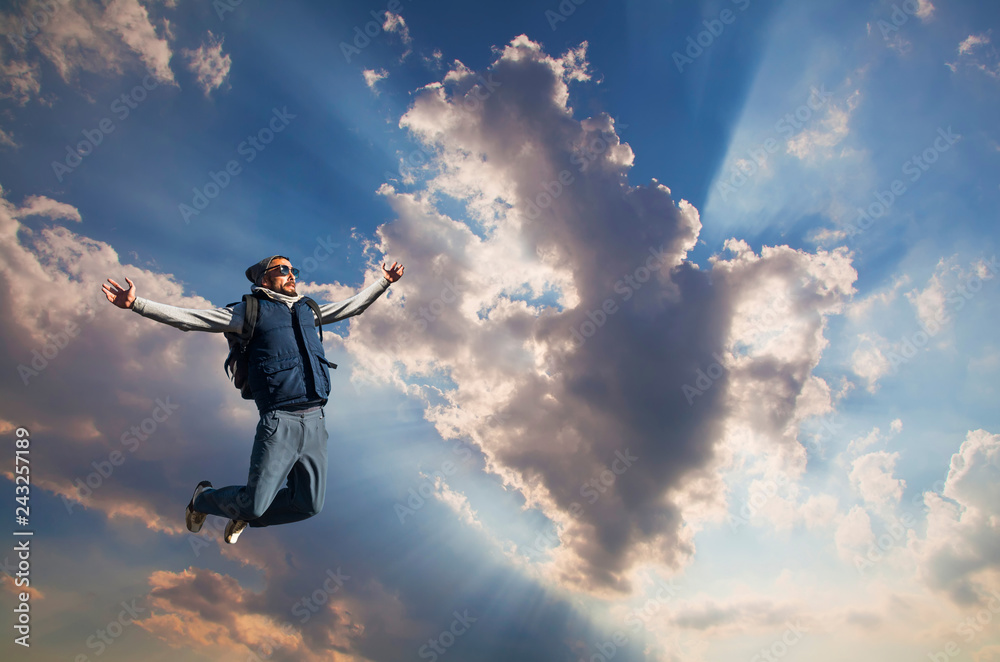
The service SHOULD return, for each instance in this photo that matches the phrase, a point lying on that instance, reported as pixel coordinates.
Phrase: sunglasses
(284, 270)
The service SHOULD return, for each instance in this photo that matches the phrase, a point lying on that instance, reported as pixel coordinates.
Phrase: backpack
(237, 367)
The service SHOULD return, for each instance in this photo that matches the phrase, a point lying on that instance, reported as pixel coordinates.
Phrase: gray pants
(289, 446)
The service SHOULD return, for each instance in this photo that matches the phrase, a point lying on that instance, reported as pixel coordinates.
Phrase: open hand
(120, 296)
(393, 273)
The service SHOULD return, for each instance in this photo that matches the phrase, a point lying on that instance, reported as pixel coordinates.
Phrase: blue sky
(693, 358)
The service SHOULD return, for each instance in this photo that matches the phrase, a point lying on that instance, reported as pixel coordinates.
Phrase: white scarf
(278, 296)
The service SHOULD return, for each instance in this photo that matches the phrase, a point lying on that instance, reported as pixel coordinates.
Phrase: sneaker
(234, 529)
(192, 517)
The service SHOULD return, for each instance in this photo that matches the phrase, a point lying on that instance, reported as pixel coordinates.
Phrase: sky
(694, 357)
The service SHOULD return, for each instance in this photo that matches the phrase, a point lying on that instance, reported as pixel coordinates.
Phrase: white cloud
(976, 52)
(209, 65)
(930, 302)
(832, 130)
(539, 187)
(960, 553)
(373, 76)
(860, 308)
(854, 534)
(19, 80)
(87, 36)
(868, 360)
(971, 42)
(871, 476)
(130, 21)
(7, 140)
(395, 23)
(37, 205)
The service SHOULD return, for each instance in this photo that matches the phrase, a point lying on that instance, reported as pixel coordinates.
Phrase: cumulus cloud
(871, 475)
(108, 370)
(85, 36)
(854, 534)
(960, 553)
(208, 63)
(583, 331)
(206, 611)
(60, 327)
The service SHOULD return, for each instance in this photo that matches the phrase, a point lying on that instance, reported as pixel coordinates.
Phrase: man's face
(274, 281)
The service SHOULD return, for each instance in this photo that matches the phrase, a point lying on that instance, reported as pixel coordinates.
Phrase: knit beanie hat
(256, 272)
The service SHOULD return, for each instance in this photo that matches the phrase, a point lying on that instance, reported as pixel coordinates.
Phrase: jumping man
(290, 380)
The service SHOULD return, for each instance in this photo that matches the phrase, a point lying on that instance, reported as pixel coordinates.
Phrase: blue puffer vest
(287, 365)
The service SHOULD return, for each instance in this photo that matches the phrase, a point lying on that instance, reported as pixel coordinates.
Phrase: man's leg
(304, 495)
(275, 450)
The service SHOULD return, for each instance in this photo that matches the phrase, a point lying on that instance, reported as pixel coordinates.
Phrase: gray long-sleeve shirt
(222, 320)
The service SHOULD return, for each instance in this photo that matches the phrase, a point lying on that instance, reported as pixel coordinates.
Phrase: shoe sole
(193, 519)
(232, 536)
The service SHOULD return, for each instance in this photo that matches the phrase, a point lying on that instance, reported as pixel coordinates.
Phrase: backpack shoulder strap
(319, 315)
(252, 307)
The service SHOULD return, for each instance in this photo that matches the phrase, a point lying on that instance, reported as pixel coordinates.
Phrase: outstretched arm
(334, 312)
(218, 320)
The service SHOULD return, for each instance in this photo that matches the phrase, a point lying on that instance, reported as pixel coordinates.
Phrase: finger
(115, 284)
(130, 283)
